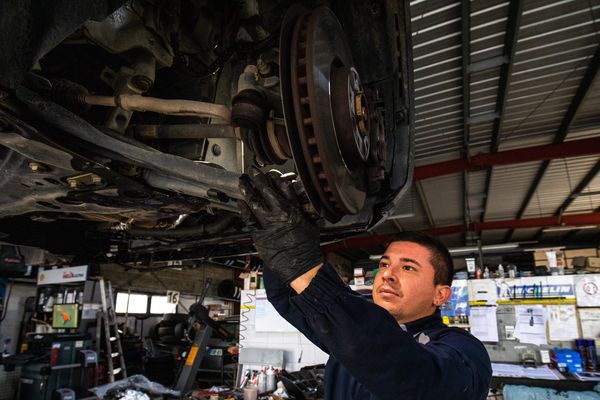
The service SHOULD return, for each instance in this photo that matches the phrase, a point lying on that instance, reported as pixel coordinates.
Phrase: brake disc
(326, 113)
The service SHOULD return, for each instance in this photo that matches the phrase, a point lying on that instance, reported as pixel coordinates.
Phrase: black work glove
(286, 239)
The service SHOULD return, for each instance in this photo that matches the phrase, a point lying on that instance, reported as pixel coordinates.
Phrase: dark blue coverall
(371, 356)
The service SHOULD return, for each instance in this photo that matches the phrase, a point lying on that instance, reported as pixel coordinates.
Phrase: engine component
(185, 131)
(191, 231)
(377, 152)
(162, 106)
(249, 109)
(144, 28)
(266, 140)
(325, 110)
(195, 173)
(66, 93)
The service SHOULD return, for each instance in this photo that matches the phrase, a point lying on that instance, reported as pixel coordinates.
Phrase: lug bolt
(35, 167)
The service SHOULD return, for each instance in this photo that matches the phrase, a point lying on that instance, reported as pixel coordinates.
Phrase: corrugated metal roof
(509, 184)
(521, 235)
(561, 177)
(556, 41)
(445, 198)
(494, 236)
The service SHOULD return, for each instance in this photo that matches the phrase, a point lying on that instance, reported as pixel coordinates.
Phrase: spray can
(591, 360)
(262, 381)
(270, 379)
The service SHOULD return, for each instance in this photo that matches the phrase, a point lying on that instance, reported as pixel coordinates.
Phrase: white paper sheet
(562, 322)
(267, 318)
(483, 323)
(590, 322)
(587, 290)
(483, 290)
(531, 324)
(518, 371)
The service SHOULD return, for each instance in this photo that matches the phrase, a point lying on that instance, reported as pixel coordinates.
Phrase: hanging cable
(245, 308)
(6, 299)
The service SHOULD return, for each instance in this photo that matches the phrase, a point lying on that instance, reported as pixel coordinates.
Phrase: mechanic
(394, 348)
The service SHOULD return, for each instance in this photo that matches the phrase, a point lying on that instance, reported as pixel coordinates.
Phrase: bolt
(96, 180)
(399, 117)
(216, 149)
(374, 7)
(35, 167)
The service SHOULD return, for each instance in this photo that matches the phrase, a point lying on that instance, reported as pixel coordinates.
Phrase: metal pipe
(376, 240)
(200, 230)
(183, 108)
(186, 131)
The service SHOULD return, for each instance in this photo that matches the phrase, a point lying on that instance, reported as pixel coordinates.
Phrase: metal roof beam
(571, 148)
(424, 203)
(515, 10)
(569, 235)
(587, 179)
(580, 95)
(552, 221)
(513, 24)
(466, 92)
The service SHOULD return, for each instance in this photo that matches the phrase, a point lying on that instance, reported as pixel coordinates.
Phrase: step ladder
(107, 322)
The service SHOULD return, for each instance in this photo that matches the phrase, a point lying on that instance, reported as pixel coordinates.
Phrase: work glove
(285, 238)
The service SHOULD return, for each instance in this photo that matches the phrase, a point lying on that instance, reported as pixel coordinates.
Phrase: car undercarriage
(124, 126)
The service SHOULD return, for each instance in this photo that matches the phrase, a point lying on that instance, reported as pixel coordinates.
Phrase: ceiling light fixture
(470, 249)
(568, 228)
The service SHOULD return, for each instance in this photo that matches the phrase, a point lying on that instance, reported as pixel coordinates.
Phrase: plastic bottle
(270, 379)
(478, 273)
(262, 381)
(591, 355)
(486, 273)
(500, 271)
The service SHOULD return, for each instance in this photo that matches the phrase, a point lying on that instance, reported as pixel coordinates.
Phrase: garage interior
(504, 148)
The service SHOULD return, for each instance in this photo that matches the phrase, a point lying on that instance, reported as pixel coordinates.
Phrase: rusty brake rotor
(326, 112)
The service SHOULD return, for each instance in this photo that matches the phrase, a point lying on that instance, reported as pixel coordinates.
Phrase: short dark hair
(440, 256)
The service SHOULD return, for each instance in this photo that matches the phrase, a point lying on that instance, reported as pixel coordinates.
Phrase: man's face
(404, 284)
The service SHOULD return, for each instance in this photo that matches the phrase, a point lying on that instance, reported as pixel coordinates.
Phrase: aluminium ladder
(107, 321)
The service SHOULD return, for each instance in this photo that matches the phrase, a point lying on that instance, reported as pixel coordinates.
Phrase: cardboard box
(593, 262)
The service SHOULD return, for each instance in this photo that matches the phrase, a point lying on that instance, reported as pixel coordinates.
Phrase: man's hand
(286, 240)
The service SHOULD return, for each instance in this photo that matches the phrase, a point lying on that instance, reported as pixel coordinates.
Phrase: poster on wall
(590, 322)
(587, 291)
(483, 323)
(483, 291)
(458, 304)
(562, 322)
(531, 324)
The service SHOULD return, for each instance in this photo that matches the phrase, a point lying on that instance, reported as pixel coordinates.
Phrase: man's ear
(442, 294)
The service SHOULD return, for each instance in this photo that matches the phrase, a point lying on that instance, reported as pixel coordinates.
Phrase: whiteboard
(267, 318)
